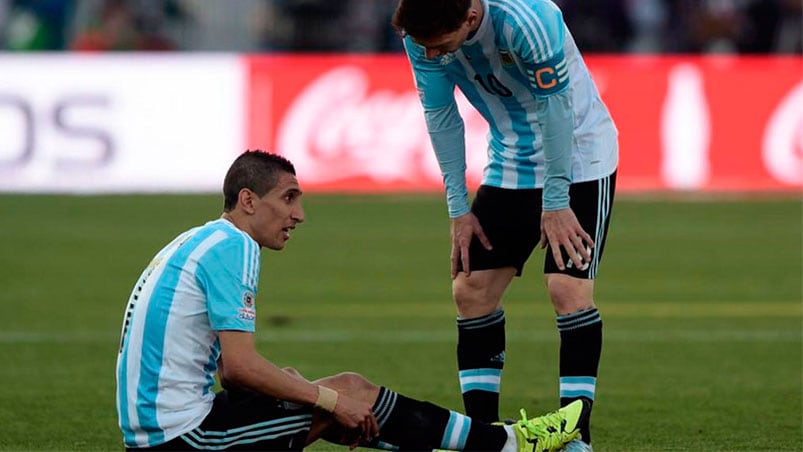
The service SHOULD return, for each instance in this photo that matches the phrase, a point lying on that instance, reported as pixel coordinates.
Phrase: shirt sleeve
(538, 39)
(556, 120)
(444, 123)
(229, 275)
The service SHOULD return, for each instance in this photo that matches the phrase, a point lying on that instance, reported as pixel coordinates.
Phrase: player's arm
(447, 134)
(539, 45)
(244, 367)
(228, 275)
(444, 124)
(540, 48)
(556, 122)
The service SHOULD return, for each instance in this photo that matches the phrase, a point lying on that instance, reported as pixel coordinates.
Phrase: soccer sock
(408, 424)
(580, 349)
(480, 359)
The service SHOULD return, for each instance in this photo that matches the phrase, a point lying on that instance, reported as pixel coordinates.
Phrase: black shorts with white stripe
(246, 420)
(511, 220)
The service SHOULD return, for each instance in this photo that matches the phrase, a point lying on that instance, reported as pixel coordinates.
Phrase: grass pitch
(702, 304)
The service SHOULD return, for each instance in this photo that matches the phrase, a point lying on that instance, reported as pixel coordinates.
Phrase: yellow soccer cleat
(552, 431)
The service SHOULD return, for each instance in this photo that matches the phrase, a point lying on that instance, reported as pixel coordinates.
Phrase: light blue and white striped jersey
(204, 281)
(521, 51)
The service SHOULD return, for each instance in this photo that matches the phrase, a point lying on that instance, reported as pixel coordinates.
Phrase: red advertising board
(353, 123)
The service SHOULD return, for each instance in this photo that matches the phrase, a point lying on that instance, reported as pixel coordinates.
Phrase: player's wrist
(327, 399)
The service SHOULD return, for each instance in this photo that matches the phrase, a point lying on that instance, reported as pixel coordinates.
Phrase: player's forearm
(556, 120)
(447, 132)
(258, 374)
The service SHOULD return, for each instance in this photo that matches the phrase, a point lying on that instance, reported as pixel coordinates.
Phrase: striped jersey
(521, 51)
(202, 282)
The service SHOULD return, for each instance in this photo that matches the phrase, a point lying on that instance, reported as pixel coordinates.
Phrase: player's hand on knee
(560, 229)
(357, 418)
(463, 230)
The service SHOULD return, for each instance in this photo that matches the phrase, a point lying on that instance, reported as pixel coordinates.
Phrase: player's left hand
(560, 228)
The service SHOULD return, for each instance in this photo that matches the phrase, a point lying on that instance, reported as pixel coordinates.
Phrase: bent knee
(481, 293)
(350, 383)
(292, 371)
(570, 294)
(468, 291)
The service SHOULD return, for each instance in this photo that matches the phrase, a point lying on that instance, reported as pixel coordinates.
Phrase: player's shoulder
(534, 28)
(521, 7)
(523, 14)
(221, 234)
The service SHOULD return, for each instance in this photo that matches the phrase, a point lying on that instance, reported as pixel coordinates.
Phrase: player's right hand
(463, 229)
(357, 418)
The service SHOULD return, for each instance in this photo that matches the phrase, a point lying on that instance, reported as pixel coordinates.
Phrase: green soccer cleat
(552, 431)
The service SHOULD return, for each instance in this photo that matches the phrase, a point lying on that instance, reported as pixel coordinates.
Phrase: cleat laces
(546, 431)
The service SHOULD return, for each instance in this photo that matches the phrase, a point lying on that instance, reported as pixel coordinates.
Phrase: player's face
(445, 43)
(277, 213)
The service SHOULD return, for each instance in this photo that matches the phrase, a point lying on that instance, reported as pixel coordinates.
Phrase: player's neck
(236, 220)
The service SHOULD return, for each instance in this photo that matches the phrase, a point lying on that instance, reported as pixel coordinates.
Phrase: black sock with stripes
(480, 359)
(409, 424)
(580, 350)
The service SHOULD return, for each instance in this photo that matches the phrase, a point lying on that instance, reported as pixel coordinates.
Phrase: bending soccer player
(192, 315)
(549, 180)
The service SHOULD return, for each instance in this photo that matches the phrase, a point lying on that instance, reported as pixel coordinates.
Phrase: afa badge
(506, 58)
(247, 312)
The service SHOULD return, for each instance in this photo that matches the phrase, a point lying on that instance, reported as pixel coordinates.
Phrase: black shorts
(246, 420)
(511, 220)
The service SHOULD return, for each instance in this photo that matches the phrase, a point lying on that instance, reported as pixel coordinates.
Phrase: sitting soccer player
(192, 315)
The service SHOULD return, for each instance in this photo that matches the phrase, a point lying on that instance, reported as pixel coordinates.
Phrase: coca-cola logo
(782, 148)
(349, 124)
(337, 129)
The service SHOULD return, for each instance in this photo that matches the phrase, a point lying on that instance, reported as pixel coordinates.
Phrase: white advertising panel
(86, 123)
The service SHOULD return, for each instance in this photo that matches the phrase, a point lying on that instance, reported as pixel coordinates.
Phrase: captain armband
(549, 77)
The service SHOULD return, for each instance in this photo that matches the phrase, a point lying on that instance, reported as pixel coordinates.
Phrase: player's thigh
(245, 420)
(591, 203)
(511, 219)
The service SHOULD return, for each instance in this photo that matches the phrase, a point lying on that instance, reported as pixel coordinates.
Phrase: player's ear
(246, 199)
(472, 16)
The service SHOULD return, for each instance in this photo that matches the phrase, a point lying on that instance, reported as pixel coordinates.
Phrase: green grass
(702, 304)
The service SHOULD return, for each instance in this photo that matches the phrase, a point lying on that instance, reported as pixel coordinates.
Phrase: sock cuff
(456, 432)
(578, 319)
(482, 322)
(480, 380)
(578, 386)
(385, 403)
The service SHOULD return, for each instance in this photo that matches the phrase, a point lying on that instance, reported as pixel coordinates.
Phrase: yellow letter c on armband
(544, 84)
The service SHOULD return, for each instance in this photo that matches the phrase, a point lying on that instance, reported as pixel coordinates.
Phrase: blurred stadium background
(718, 26)
(118, 119)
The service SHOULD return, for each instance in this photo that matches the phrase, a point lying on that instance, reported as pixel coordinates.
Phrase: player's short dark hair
(426, 19)
(255, 170)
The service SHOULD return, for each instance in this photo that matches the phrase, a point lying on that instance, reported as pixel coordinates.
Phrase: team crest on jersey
(446, 59)
(506, 58)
